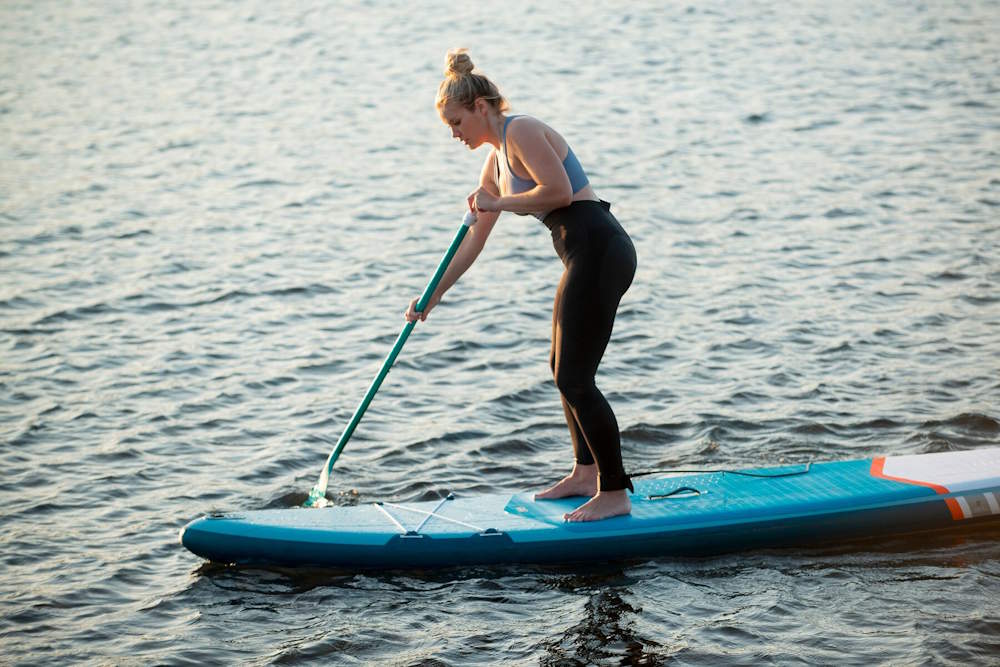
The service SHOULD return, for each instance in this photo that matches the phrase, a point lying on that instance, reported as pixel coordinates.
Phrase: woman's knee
(575, 387)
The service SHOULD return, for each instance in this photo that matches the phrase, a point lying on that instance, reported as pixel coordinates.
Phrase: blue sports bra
(577, 178)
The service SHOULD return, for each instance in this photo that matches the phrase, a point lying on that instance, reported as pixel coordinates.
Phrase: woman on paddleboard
(532, 170)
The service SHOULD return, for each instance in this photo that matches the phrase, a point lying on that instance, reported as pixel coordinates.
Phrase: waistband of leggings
(562, 215)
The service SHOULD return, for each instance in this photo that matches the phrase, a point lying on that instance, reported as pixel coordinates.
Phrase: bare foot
(604, 505)
(581, 482)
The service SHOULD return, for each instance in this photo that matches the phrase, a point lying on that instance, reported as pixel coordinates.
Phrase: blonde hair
(464, 86)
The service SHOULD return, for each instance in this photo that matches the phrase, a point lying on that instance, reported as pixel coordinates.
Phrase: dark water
(212, 217)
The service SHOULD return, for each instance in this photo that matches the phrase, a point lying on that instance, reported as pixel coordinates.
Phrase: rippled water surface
(212, 216)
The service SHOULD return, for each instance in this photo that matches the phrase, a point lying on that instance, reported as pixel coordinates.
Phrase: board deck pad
(675, 515)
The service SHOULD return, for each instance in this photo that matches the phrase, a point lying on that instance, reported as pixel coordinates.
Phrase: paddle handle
(317, 496)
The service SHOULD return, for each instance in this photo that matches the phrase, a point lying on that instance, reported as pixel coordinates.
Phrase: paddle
(317, 496)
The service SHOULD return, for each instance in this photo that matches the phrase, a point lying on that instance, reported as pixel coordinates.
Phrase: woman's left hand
(483, 200)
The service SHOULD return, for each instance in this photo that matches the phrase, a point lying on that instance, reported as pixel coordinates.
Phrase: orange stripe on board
(878, 470)
(956, 509)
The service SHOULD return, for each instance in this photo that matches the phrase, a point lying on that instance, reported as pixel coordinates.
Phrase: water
(213, 216)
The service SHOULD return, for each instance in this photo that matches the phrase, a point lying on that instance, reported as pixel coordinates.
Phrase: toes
(593, 513)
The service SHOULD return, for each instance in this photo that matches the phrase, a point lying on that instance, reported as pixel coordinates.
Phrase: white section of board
(956, 471)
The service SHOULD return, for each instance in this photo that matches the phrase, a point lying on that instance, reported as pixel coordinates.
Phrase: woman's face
(469, 126)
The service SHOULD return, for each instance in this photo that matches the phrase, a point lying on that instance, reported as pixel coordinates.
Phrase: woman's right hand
(412, 314)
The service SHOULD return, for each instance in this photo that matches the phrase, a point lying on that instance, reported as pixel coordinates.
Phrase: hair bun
(457, 63)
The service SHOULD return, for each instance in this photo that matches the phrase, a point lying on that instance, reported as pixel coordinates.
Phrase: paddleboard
(690, 514)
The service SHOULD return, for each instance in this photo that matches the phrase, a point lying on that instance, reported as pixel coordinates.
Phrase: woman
(532, 170)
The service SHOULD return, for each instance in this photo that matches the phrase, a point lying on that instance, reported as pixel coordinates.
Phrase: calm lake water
(212, 216)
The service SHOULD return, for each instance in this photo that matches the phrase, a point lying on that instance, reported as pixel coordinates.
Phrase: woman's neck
(496, 121)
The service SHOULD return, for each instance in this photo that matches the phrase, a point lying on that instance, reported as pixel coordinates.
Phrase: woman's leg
(582, 480)
(583, 318)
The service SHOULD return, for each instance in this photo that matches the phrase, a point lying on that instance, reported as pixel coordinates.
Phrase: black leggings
(600, 264)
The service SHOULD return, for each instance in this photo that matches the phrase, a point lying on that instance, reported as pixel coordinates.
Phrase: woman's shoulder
(491, 158)
(522, 124)
(528, 131)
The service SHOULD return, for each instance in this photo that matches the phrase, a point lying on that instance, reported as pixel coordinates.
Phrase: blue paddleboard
(677, 515)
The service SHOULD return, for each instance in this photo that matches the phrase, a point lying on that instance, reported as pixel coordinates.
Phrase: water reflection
(606, 633)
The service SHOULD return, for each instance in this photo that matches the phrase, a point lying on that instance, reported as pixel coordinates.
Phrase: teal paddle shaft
(317, 496)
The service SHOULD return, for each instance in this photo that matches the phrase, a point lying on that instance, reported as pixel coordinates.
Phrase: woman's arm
(470, 248)
(528, 141)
